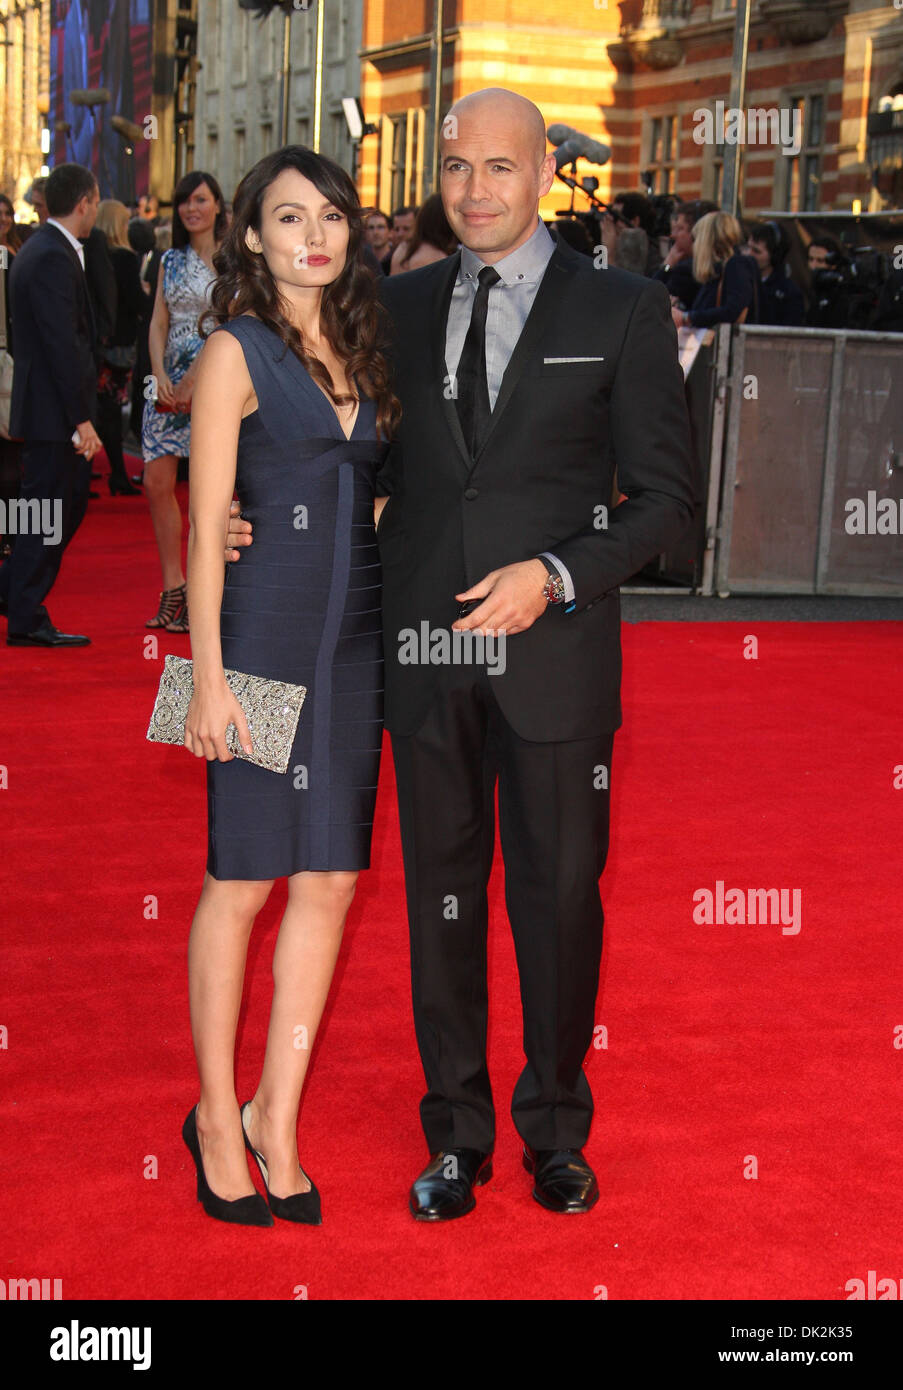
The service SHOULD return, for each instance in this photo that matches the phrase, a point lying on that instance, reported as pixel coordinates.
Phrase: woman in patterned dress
(186, 274)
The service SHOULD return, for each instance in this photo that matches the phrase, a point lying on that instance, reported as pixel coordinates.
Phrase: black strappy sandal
(172, 615)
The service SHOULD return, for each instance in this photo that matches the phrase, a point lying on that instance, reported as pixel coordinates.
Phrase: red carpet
(724, 1041)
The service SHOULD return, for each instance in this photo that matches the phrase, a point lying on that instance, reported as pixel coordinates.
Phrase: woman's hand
(210, 713)
(165, 390)
(678, 316)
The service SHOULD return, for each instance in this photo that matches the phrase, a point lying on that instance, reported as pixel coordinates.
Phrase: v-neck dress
(302, 604)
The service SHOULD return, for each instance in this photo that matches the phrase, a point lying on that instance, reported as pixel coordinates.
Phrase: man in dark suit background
(53, 401)
(525, 375)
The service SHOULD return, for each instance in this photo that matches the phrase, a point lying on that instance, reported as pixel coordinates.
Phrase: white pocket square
(551, 360)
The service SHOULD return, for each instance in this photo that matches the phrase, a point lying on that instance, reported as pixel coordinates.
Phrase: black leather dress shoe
(562, 1179)
(48, 636)
(444, 1189)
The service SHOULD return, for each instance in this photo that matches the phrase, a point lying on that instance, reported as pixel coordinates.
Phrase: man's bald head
(496, 107)
(494, 170)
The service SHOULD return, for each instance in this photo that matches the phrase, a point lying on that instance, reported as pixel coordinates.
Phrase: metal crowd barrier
(798, 444)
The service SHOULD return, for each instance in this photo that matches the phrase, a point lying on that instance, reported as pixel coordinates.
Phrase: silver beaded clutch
(272, 709)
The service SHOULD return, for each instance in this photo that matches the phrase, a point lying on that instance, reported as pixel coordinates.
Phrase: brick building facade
(638, 76)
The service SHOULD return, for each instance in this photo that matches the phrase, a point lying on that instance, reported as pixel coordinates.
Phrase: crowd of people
(148, 277)
(719, 269)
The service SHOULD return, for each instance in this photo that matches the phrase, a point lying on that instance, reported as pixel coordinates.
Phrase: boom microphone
(91, 96)
(566, 153)
(590, 149)
(127, 129)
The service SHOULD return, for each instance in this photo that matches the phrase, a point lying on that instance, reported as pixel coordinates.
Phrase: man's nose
(476, 187)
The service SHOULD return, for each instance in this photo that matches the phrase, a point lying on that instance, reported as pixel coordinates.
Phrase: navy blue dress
(303, 605)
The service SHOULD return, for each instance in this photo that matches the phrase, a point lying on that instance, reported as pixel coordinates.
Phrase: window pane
(655, 140)
(668, 150)
(793, 185)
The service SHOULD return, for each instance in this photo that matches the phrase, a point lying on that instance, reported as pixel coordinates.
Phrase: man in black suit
(525, 375)
(53, 402)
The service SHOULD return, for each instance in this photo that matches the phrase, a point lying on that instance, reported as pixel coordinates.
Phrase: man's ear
(546, 175)
(252, 241)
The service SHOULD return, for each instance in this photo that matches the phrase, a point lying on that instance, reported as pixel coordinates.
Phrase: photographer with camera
(829, 306)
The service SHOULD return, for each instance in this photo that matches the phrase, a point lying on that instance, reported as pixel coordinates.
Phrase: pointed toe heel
(301, 1207)
(244, 1211)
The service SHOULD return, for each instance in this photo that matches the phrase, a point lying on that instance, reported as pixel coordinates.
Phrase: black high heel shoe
(244, 1211)
(301, 1207)
(121, 487)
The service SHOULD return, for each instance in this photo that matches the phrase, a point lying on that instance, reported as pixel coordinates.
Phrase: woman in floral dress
(186, 275)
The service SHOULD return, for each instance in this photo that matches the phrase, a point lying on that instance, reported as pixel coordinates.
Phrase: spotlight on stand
(358, 127)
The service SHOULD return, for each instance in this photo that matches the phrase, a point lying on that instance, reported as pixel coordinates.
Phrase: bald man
(525, 374)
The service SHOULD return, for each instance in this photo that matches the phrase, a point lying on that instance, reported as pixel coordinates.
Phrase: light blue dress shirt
(508, 308)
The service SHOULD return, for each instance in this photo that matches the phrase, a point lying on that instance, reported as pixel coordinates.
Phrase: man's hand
(513, 600)
(239, 532)
(89, 440)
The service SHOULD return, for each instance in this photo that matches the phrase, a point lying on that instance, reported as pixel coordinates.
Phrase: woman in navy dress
(293, 406)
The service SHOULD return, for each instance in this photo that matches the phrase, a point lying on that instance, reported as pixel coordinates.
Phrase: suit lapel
(439, 325)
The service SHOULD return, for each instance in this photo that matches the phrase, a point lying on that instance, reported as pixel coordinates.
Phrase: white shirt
(73, 240)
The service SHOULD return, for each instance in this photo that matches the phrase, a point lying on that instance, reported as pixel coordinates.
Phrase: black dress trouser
(553, 804)
(51, 472)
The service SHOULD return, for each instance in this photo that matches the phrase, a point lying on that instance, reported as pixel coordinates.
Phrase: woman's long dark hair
(184, 189)
(353, 320)
(15, 238)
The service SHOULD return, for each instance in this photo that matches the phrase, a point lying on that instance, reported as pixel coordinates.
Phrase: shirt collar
(73, 241)
(524, 266)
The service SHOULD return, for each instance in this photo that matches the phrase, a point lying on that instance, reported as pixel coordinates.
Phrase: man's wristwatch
(553, 589)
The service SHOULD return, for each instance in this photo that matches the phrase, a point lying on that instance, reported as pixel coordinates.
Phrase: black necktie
(473, 389)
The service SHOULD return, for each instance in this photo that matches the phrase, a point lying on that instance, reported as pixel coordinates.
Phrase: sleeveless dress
(187, 280)
(302, 604)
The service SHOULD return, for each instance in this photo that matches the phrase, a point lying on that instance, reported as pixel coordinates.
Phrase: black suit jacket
(55, 375)
(558, 430)
(102, 288)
